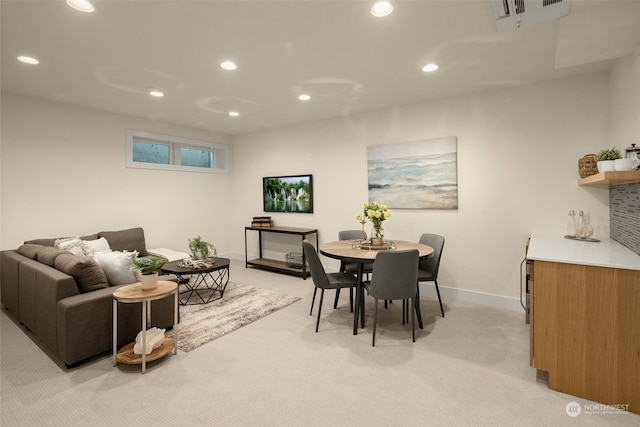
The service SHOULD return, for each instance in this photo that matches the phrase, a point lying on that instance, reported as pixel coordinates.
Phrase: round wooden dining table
(353, 251)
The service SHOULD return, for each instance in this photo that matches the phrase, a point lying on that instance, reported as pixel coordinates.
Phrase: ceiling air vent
(511, 14)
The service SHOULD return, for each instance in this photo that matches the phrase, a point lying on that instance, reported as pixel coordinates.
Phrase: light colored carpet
(470, 368)
(241, 305)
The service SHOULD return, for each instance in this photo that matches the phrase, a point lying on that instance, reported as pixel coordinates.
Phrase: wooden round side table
(135, 294)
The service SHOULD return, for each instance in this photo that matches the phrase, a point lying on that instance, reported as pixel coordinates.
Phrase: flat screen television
(290, 193)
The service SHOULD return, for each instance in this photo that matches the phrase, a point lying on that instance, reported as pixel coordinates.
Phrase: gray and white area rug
(241, 305)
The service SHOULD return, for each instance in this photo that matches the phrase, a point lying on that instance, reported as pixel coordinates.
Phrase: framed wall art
(290, 193)
(414, 175)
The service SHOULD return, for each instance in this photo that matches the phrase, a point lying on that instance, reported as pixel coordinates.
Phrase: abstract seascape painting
(414, 175)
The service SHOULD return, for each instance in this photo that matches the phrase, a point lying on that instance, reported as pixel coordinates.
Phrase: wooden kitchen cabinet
(585, 330)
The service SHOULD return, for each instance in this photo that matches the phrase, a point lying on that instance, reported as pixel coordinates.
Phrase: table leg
(218, 283)
(175, 322)
(115, 332)
(144, 336)
(362, 301)
(359, 298)
(223, 280)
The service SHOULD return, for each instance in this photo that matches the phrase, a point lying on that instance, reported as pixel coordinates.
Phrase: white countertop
(607, 253)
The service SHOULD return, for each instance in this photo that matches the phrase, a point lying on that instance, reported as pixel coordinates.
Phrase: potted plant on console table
(147, 267)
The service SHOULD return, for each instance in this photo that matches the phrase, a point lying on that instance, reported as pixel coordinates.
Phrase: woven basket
(588, 165)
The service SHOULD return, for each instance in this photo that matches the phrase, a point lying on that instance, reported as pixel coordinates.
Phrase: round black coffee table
(208, 285)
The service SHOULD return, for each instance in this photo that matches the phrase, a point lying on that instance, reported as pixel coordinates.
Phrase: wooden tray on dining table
(367, 246)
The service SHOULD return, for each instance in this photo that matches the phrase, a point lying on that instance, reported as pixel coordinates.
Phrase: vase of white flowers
(376, 213)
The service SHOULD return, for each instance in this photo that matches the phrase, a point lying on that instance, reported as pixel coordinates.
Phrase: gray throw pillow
(30, 250)
(85, 271)
(47, 255)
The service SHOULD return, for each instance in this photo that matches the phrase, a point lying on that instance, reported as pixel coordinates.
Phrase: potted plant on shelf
(607, 158)
(201, 249)
(147, 268)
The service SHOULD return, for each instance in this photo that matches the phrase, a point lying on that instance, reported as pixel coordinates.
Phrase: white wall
(625, 102)
(63, 173)
(518, 152)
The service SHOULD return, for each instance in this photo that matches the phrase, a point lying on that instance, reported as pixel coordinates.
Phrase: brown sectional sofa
(72, 316)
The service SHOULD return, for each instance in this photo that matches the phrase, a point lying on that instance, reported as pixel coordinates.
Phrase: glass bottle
(580, 225)
(571, 226)
(588, 228)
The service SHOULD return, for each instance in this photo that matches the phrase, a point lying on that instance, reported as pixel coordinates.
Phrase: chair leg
(313, 300)
(413, 320)
(439, 299)
(375, 322)
(351, 300)
(405, 314)
(335, 303)
(319, 309)
(418, 310)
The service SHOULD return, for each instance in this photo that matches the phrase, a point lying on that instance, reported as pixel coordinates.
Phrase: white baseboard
(234, 255)
(450, 294)
(492, 300)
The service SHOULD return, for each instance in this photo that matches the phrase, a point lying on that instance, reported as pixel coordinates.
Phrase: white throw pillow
(71, 244)
(117, 266)
(90, 247)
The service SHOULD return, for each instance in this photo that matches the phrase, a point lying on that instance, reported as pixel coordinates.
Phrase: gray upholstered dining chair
(395, 277)
(351, 268)
(323, 280)
(428, 268)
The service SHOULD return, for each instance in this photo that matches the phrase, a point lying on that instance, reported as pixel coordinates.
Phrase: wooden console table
(279, 265)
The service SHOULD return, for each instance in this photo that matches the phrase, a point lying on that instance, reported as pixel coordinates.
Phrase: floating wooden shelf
(611, 178)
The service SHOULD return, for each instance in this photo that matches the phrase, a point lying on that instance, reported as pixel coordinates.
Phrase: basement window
(147, 150)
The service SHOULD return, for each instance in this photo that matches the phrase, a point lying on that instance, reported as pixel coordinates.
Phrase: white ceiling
(347, 60)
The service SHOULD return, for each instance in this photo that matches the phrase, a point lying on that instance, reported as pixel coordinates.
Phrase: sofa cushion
(117, 266)
(29, 250)
(85, 271)
(71, 244)
(47, 255)
(126, 240)
(91, 247)
(52, 242)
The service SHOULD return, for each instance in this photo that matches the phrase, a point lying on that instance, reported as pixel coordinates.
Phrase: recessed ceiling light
(28, 60)
(429, 68)
(234, 113)
(156, 93)
(81, 5)
(381, 8)
(229, 65)
(304, 97)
